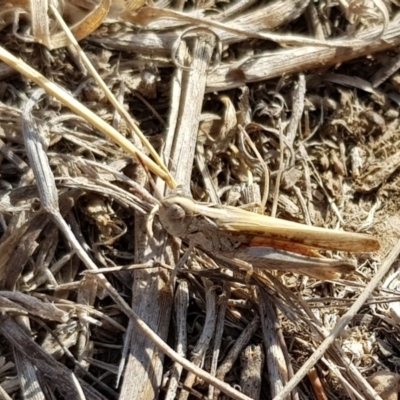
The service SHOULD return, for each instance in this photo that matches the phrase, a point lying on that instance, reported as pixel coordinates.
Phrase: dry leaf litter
(288, 107)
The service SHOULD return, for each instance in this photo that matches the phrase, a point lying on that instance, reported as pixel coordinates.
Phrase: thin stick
(298, 96)
(181, 309)
(146, 14)
(281, 168)
(219, 330)
(199, 351)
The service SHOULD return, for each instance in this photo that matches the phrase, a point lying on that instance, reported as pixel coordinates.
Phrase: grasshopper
(250, 240)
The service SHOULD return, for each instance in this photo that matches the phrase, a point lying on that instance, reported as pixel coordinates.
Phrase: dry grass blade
(109, 94)
(275, 359)
(288, 61)
(83, 27)
(78, 108)
(200, 349)
(148, 14)
(222, 307)
(187, 100)
(68, 384)
(267, 17)
(35, 307)
(40, 21)
(181, 309)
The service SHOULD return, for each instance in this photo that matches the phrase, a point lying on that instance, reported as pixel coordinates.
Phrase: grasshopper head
(176, 213)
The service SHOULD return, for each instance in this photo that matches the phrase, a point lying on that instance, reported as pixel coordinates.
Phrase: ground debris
(287, 108)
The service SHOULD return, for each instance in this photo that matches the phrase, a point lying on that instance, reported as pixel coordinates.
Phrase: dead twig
(252, 365)
(181, 308)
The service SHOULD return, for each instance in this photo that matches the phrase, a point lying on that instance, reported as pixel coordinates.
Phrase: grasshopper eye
(176, 212)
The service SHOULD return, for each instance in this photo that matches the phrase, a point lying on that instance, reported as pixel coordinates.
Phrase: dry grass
(286, 107)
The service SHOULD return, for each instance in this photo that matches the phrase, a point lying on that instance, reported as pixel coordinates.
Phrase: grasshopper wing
(256, 225)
